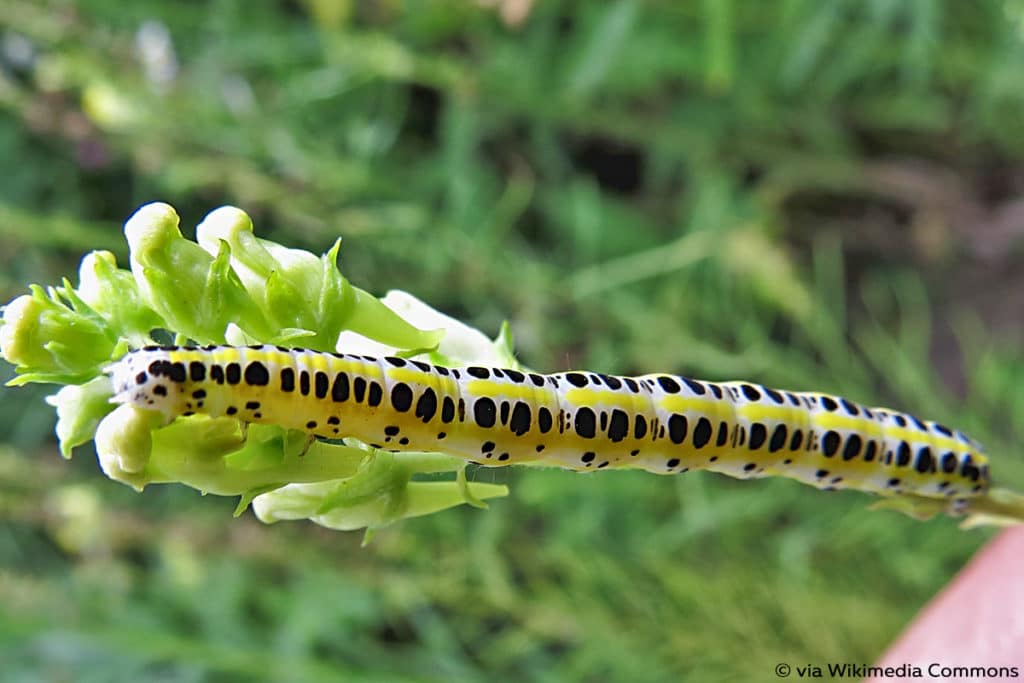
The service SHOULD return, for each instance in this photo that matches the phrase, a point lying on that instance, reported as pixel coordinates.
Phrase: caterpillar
(577, 420)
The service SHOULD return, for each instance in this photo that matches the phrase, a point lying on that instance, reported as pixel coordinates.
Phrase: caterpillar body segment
(578, 420)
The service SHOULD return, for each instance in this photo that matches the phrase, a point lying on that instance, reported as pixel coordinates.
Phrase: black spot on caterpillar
(576, 420)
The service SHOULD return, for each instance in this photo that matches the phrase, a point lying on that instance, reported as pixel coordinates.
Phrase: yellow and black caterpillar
(578, 420)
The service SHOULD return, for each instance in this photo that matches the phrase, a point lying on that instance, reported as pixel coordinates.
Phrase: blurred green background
(813, 195)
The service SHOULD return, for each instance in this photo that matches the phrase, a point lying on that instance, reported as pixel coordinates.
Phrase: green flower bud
(20, 335)
(400, 500)
(460, 345)
(113, 293)
(196, 294)
(212, 454)
(79, 411)
(371, 318)
(51, 341)
(284, 282)
(381, 492)
(124, 440)
(301, 293)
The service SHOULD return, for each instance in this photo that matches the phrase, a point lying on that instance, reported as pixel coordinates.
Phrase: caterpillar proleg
(577, 420)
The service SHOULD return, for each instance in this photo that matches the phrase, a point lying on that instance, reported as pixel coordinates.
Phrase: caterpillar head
(147, 379)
